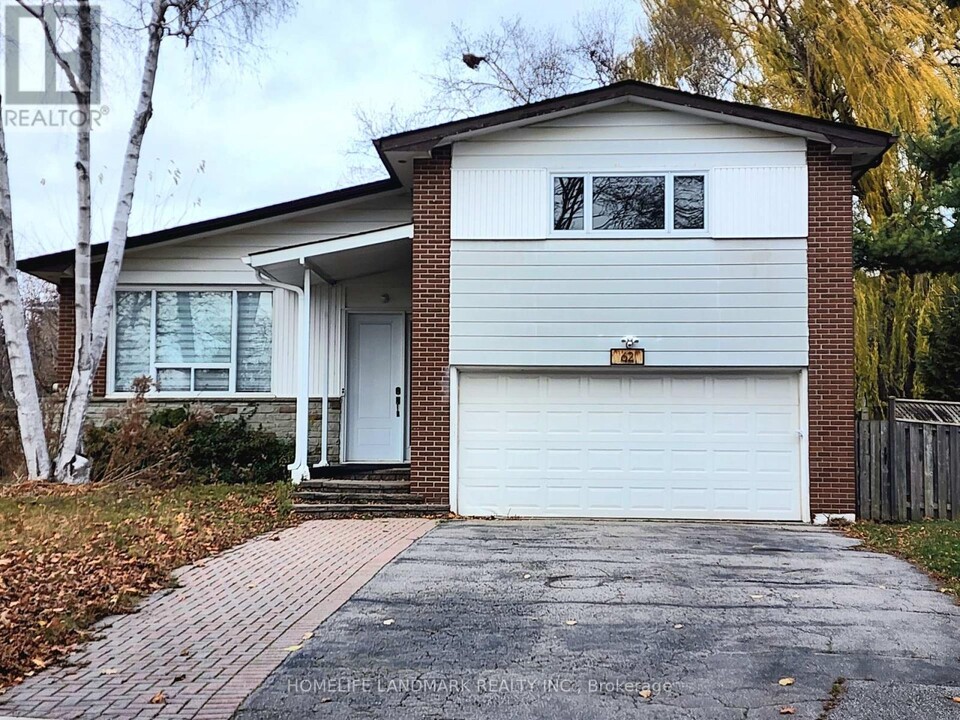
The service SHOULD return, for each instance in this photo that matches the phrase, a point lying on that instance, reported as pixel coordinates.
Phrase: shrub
(183, 444)
(940, 364)
(231, 451)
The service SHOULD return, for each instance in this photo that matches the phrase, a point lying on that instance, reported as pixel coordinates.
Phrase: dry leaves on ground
(72, 555)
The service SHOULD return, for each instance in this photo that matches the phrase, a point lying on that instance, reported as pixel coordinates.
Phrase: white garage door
(603, 445)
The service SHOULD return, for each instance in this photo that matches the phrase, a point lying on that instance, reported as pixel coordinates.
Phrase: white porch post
(300, 468)
(327, 306)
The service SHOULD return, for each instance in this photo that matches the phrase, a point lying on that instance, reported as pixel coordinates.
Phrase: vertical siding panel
(758, 202)
(284, 342)
(499, 203)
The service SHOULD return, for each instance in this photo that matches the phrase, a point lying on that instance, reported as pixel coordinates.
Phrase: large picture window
(194, 341)
(647, 203)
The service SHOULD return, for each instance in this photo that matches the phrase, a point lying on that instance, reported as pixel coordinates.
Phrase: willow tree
(889, 65)
(882, 64)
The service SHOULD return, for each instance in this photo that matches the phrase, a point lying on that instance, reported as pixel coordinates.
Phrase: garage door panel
(555, 445)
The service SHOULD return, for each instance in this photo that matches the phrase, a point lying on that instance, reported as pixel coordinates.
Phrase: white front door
(375, 387)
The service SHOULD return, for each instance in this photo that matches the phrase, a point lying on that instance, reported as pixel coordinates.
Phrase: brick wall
(67, 340)
(830, 315)
(430, 391)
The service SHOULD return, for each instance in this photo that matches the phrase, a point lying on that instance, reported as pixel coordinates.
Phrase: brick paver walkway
(207, 644)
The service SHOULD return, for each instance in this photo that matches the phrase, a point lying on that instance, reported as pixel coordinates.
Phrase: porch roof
(337, 259)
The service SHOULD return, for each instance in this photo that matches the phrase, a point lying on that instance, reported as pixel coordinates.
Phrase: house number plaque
(626, 356)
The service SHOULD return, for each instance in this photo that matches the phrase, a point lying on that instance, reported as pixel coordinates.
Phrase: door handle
(397, 392)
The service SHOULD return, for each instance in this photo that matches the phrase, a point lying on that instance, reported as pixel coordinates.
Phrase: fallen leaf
(307, 635)
(109, 671)
(325, 699)
(645, 694)
(571, 622)
(786, 681)
(274, 538)
(678, 626)
(159, 699)
(251, 586)
(200, 563)
(293, 648)
(39, 662)
(388, 621)
(956, 698)
(788, 710)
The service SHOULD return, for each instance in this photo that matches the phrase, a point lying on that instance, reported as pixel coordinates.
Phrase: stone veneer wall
(277, 416)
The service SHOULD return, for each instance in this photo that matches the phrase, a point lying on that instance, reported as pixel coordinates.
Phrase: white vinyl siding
(500, 185)
(218, 258)
(758, 202)
(638, 444)
(691, 302)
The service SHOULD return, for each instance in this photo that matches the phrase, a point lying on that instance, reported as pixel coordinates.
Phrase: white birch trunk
(78, 396)
(32, 436)
(71, 466)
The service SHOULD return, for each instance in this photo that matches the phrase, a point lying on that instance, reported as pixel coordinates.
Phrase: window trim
(232, 393)
(668, 231)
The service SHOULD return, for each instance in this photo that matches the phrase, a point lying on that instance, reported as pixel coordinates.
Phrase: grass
(70, 556)
(933, 546)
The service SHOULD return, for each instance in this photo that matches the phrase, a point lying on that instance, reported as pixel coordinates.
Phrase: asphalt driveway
(566, 619)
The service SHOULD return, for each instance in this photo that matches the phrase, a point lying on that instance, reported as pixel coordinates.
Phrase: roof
(59, 261)
(865, 146)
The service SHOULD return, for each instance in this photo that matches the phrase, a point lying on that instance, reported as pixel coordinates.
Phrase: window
(192, 341)
(665, 202)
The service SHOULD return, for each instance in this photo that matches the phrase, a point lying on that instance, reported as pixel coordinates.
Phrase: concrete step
(369, 510)
(348, 470)
(346, 486)
(357, 496)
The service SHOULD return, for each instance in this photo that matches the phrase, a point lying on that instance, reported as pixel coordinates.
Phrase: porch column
(300, 468)
(326, 303)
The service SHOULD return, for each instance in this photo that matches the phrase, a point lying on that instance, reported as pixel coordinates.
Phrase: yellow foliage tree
(877, 63)
(880, 63)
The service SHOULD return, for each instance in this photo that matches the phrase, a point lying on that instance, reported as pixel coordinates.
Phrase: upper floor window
(667, 202)
(194, 341)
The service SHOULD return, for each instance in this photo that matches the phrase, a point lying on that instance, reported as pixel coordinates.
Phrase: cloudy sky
(276, 129)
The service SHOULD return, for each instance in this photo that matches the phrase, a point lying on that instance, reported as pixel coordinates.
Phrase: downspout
(299, 468)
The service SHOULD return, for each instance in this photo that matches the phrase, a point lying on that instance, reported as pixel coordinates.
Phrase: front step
(354, 470)
(368, 510)
(397, 486)
(314, 497)
(372, 490)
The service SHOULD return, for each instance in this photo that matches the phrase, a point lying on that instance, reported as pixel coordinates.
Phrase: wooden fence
(924, 478)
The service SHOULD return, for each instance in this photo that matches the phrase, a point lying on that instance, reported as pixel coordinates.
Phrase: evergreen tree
(940, 364)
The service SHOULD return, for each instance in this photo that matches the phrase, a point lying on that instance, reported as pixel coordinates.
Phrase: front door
(376, 402)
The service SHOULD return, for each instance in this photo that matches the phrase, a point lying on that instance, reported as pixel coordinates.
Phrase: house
(481, 313)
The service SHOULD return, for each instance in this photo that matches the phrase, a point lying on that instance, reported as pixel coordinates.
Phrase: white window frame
(667, 231)
(112, 392)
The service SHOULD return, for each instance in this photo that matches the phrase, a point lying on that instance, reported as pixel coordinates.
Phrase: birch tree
(205, 25)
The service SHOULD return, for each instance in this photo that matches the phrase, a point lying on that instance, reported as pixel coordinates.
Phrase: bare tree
(210, 27)
(514, 64)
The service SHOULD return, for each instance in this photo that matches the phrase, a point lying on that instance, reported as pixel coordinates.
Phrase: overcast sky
(276, 130)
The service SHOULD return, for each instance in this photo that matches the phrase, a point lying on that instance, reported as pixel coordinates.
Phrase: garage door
(603, 445)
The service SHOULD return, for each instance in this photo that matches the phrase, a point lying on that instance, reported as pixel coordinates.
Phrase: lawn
(933, 546)
(70, 556)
